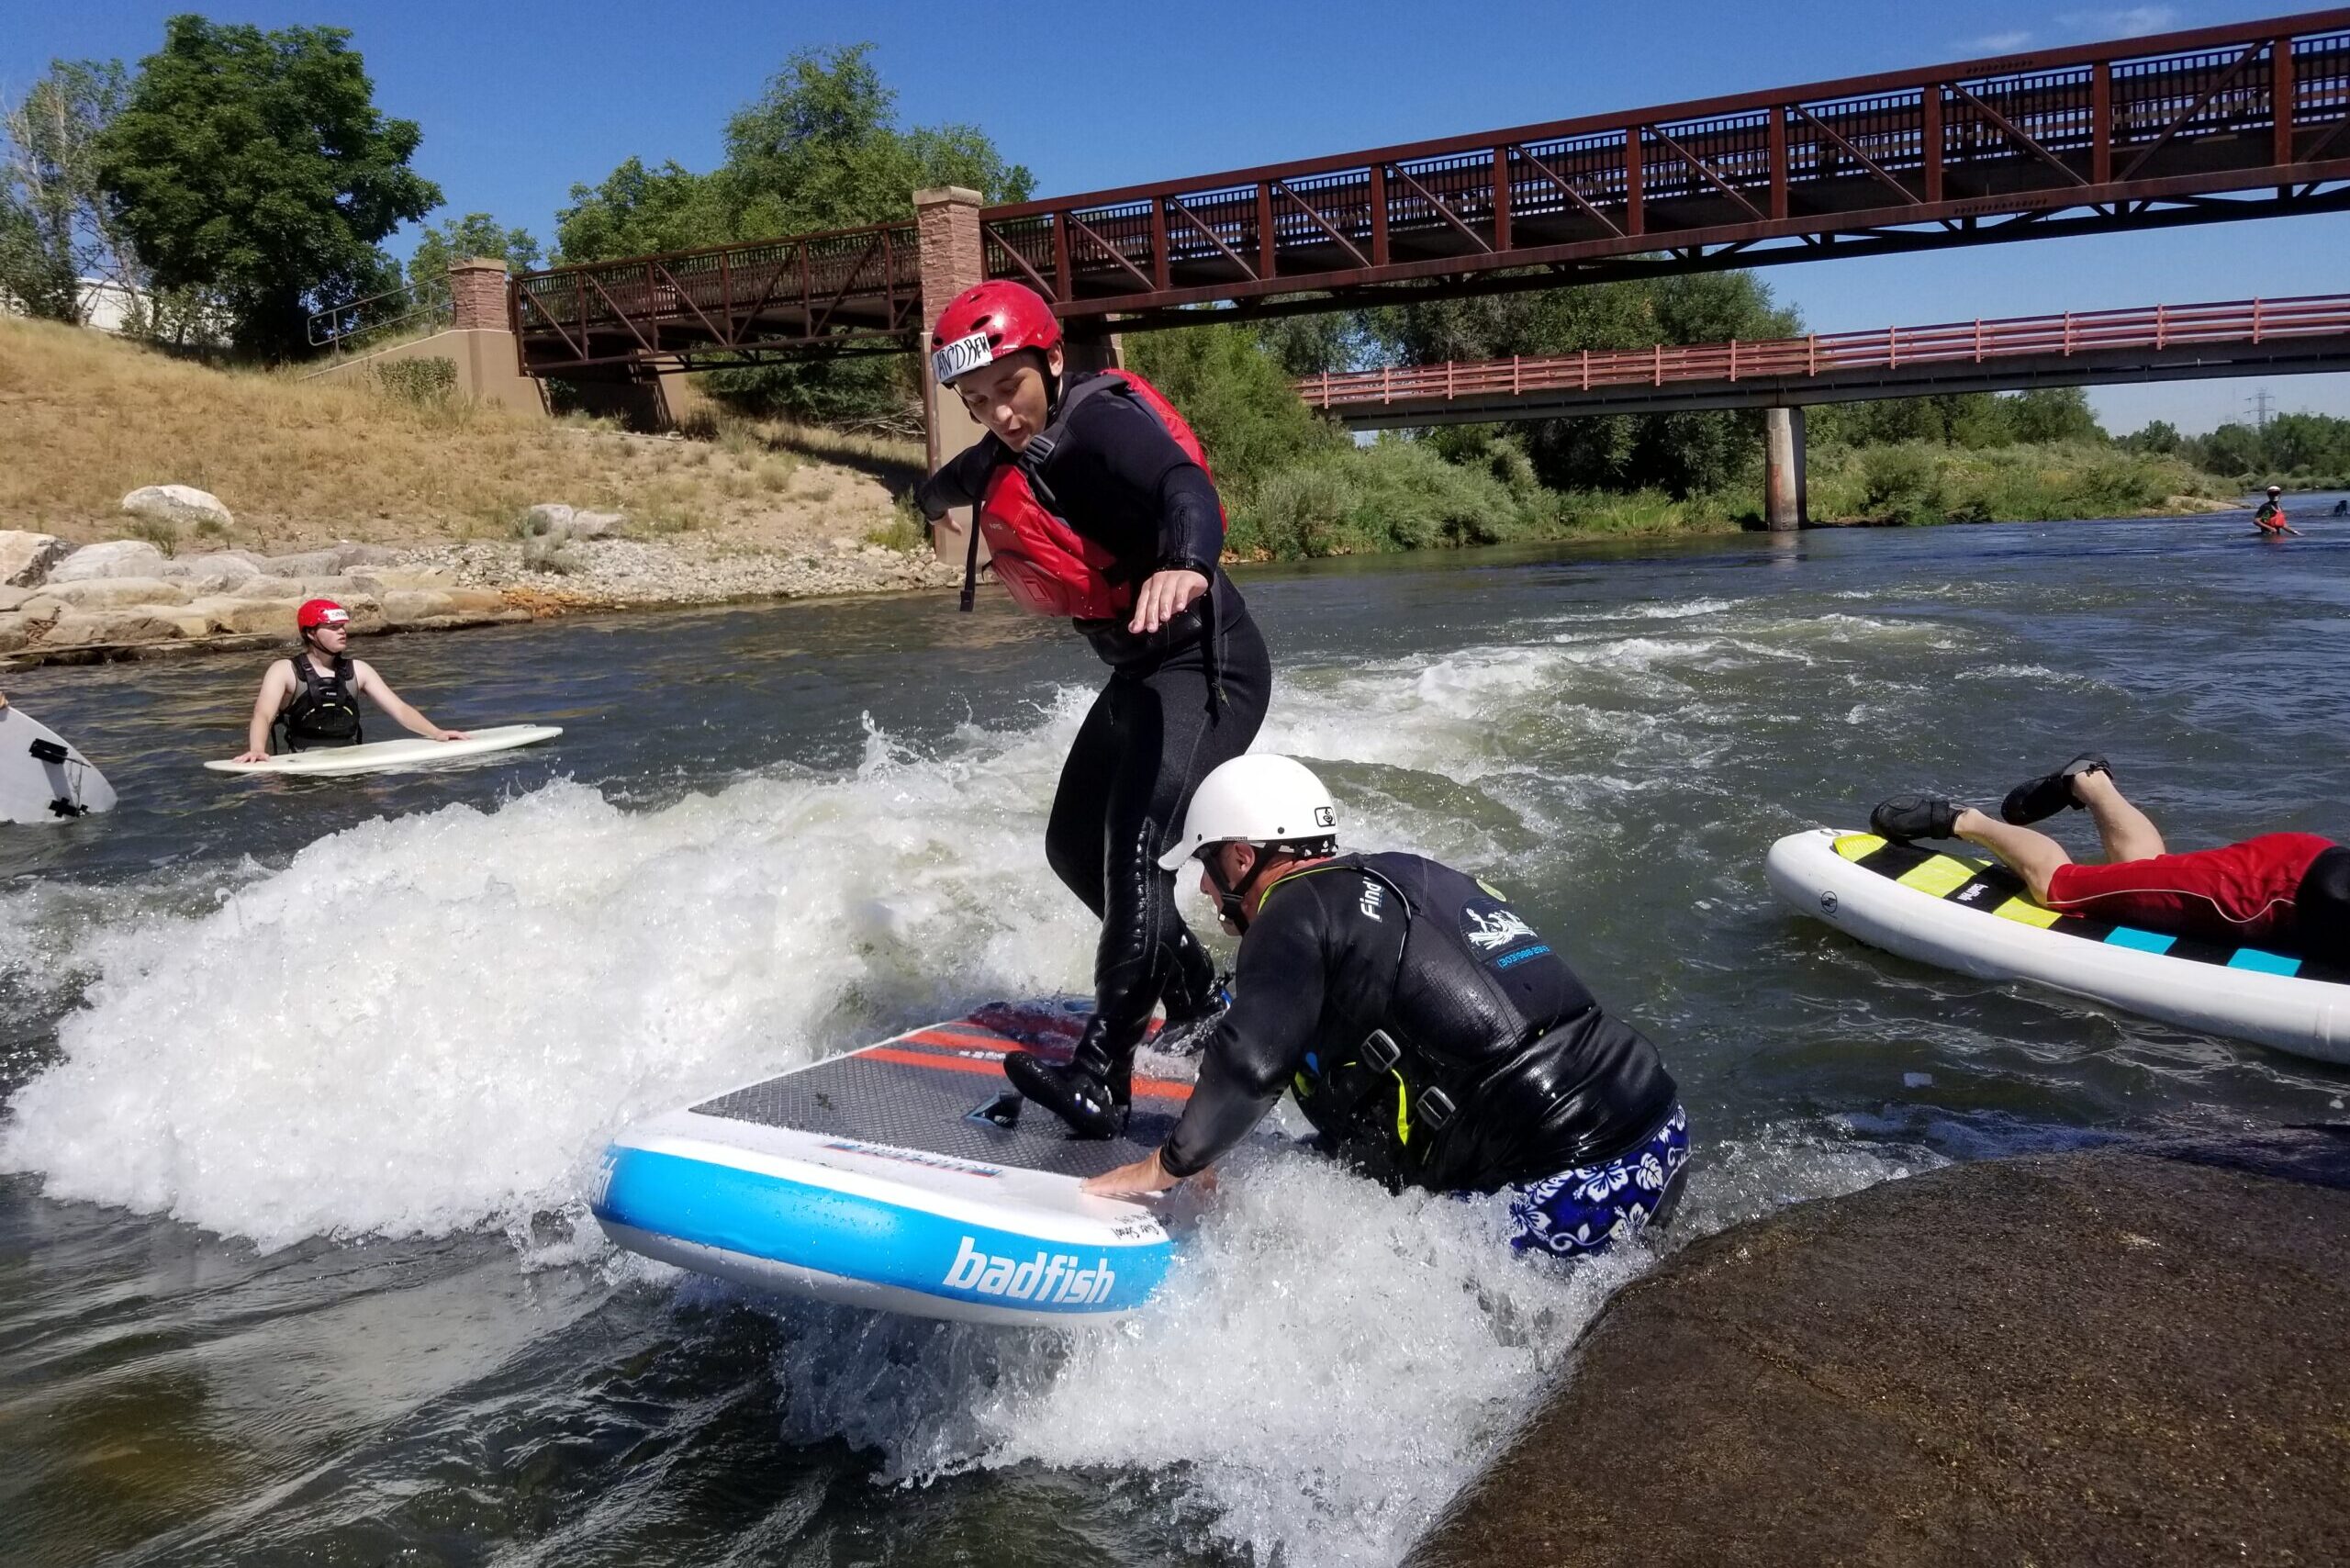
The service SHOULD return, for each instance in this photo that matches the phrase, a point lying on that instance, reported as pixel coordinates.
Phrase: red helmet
(321, 612)
(986, 322)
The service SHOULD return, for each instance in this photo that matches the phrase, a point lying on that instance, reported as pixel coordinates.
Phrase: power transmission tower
(2261, 402)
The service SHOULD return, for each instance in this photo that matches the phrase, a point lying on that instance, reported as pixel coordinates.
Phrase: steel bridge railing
(2158, 327)
(2128, 134)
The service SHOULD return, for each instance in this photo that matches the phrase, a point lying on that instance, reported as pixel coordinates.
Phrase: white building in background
(110, 306)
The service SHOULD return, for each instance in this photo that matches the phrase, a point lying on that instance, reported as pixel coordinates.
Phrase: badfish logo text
(1054, 1278)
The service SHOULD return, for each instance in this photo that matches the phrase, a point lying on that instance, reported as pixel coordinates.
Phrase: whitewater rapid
(429, 1024)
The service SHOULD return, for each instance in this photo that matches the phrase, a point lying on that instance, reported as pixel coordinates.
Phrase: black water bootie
(1915, 816)
(1187, 1036)
(1090, 1093)
(2036, 800)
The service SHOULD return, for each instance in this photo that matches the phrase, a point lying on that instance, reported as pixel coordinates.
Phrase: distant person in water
(312, 699)
(2342, 509)
(2270, 518)
(2288, 889)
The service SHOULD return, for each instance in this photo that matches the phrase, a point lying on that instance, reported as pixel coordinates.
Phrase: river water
(306, 1079)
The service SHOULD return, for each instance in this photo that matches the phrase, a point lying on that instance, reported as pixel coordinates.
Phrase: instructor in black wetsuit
(1430, 1035)
(1097, 504)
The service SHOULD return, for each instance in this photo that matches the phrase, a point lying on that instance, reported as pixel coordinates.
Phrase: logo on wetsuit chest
(1372, 895)
(1495, 930)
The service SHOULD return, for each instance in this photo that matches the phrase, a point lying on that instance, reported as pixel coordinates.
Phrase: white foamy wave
(424, 1024)
(1328, 1365)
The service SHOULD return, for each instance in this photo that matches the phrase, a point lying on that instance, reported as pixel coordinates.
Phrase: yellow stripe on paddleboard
(1858, 845)
(1940, 877)
(2028, 912)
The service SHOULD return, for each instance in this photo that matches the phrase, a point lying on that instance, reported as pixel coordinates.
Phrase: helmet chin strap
(1231, 900)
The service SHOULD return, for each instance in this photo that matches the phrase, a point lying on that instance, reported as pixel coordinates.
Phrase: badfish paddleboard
(904, 1177)
(42, 778)
(1973, 916)
(392, 756)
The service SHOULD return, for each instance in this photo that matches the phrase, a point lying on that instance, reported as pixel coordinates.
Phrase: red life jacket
(1048, 566)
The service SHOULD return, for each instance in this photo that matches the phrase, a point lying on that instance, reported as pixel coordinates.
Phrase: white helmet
(1262, 799)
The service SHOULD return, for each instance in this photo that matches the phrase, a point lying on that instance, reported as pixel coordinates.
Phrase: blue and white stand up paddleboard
(1973, 916)
(904, 1177)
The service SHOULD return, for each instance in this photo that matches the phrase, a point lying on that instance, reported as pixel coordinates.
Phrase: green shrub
(163, 535)
(424, 382)
(1397, 495)
(1904, 483)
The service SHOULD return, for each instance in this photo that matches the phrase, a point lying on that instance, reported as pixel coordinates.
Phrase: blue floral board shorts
(1582, 1210)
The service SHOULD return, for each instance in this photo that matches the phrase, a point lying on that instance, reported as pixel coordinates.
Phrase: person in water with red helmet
(313, 698)
(1097, 504)
(2270, 518)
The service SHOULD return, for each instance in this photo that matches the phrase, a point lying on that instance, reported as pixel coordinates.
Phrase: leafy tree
(1236, 397)
(255, 166)
(2159, 437)
(636, 211)
(461, 238)
(2054, 413)
(819, 149)
(54, 227)
(2232, 449)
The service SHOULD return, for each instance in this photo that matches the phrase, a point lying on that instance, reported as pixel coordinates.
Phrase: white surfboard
(393, 757)
(1973, 915)
(43, 780)
(901, 1178)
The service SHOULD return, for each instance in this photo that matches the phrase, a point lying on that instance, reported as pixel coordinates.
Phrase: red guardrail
(2159, 327)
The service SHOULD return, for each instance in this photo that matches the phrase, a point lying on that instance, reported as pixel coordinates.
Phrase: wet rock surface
(2138, 1354)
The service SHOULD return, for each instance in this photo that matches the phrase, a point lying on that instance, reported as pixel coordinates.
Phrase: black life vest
(325, 709)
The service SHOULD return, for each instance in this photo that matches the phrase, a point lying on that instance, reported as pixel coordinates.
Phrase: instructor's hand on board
(1143, 1179)
(250, 757)
(451, 735)
(1164, 595)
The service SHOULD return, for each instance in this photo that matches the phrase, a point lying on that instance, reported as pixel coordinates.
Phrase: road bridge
(2086, 348)
(2218, 123)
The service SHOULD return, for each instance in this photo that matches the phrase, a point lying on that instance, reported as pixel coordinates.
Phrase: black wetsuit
(1179, 701)
(1430, 1034)
(325, 708)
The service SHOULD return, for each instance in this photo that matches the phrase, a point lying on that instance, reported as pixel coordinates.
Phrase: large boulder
(210, 574)
(113, 593)
(245, 617)
(114, 558)
(2127, 1355)
(553, 519)
(402, 606)
(178, 504)
(114, 628)
(303, 564)
(286, 588)
(26, 558)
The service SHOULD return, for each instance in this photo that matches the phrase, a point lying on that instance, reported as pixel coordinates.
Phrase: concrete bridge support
(1785, 503)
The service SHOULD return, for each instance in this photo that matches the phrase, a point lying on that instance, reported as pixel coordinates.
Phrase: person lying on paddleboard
(2284, 889)
(1431, 1035)
(1097, 505)
(313, 698)
(2270, 518)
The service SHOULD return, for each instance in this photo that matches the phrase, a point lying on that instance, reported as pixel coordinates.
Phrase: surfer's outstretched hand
(1143, 1179)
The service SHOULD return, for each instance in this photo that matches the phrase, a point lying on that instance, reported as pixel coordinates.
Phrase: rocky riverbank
(2131, 1355)
(124, 598)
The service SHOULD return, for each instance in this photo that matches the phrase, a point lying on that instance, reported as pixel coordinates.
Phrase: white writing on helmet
(966, 353)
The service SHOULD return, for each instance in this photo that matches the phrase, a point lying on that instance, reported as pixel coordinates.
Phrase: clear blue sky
(519, 98)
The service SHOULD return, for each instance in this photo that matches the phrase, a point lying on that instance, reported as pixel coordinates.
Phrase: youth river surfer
(1097, 504)
(1430, 1034)
(2270, 518)
(313, 697)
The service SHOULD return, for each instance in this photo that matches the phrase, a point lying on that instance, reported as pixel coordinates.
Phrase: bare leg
(2029, 853)
(2127, 833)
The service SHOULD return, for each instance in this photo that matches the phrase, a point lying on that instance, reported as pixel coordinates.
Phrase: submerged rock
(2134, 1354)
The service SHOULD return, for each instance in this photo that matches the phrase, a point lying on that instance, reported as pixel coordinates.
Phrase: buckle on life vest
(1436, 1108)
(1380, 1051)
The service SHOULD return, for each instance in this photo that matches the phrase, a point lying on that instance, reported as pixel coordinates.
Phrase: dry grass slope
(84, 418)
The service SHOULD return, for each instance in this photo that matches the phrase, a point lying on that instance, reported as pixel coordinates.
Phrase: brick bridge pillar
(1786, 504)
(946, 229)
(477, 294)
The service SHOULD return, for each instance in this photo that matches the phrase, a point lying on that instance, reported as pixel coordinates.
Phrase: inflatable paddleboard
(906, 1177)
(42, 778)
(392, 756)
(1973, 916)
